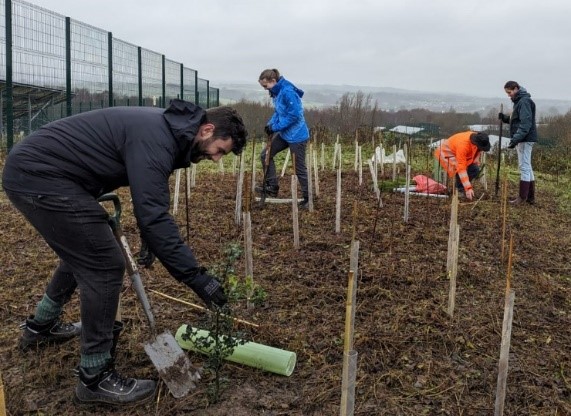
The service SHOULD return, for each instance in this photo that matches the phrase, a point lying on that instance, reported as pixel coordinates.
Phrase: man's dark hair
(227, 122)
(481, 140)
(510, 85)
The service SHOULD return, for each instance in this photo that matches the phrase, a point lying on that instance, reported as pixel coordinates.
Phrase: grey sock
(94, 363)
(47, 310)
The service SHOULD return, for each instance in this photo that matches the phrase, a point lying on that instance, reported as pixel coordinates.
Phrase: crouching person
(459, 155)
(54, 177)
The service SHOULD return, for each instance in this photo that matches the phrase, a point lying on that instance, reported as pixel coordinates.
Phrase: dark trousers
(472, 171)
(76, 228)
(298, 152)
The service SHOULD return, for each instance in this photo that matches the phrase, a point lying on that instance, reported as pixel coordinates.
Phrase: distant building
(406, 130)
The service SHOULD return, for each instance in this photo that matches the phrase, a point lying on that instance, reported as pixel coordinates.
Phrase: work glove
(268, 130)
(145, 257)
(512, 145)
(207, 288)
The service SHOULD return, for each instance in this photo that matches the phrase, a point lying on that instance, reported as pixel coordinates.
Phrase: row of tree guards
(245, 196)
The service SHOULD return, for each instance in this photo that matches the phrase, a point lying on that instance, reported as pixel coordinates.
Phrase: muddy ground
(413, 358)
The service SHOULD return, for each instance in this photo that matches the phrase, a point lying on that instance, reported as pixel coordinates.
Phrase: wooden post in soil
(338, 197)
(2, 400)
(309, 177)
(356, 150)
(374, 177)
(253, 178)
(193, 175)
(176, 192)
(349, 354)
(452, 259)
(506, 341)
(504, 212)
(239, 188)
(484, 176)
(394, 162)
(249, 267)
(294, 212)
(406, 189)
(360, 154)
(336, 150)
(286, 161)
(322, 156)
(294, 206)
(315, 173)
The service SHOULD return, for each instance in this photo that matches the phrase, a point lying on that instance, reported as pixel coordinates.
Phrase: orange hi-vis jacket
(457, 153)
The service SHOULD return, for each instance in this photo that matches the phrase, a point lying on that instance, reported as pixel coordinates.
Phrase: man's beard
(197, 152)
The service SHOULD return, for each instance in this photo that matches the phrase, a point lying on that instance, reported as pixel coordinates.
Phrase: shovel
(169, 359)
(266, 165)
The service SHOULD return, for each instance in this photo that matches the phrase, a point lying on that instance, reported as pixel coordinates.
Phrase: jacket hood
(284, 83)
(522, 93)
(184, 119)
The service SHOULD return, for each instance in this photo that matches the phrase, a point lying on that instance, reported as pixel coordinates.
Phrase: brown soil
(413, 359)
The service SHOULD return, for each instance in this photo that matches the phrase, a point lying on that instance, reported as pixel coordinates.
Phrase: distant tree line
(358, 114)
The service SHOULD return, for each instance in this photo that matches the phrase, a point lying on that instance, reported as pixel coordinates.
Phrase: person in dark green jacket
(523, 133)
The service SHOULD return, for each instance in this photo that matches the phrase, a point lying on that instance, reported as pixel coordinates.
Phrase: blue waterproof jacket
(288, 119)
(522, 119)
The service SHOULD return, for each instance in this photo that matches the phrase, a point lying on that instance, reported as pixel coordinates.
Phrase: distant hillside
(390, 98)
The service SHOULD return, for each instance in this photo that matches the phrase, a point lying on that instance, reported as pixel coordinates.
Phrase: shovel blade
(173, 365)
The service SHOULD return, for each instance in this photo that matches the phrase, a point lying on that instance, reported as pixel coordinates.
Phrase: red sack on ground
(426, 185)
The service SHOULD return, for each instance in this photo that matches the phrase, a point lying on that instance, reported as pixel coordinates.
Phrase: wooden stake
(506, 341)
(2, 400)
(452, 259)
(338, 198)
(239, 189)
(294, 212)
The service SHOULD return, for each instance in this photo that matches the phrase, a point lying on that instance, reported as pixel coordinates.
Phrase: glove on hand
(268, 130)
(208, 288)
(512, 145)
(145, 257)
(501, 116)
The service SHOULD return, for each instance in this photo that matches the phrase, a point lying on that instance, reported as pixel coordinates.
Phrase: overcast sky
(458, 46)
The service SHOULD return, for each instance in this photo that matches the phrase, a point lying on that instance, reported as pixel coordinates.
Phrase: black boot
(271, 190)
(109, 387)
(523, 193)
(53, 332)
(304, 204)
(531, 194)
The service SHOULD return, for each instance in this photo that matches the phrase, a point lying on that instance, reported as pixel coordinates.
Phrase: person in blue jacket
(54, 177)
(289, 130)
(523, 133)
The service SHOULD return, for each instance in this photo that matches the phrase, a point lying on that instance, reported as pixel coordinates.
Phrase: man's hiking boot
(109, 387)
(303, 204)
(53, 332)
(271, 190)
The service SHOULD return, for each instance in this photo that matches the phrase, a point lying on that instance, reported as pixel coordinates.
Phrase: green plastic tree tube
(255, 355)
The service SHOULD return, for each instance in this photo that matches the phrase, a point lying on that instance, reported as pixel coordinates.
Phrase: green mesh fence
(57, 66)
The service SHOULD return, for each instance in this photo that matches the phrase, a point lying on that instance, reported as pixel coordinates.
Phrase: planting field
(413, 358)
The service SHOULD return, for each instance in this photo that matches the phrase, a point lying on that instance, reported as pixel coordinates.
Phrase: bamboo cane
(201, 308)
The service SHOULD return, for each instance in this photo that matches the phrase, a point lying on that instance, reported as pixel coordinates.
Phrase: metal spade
(167, 356)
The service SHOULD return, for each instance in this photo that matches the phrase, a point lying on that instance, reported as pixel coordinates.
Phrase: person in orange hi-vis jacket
(459, 155)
